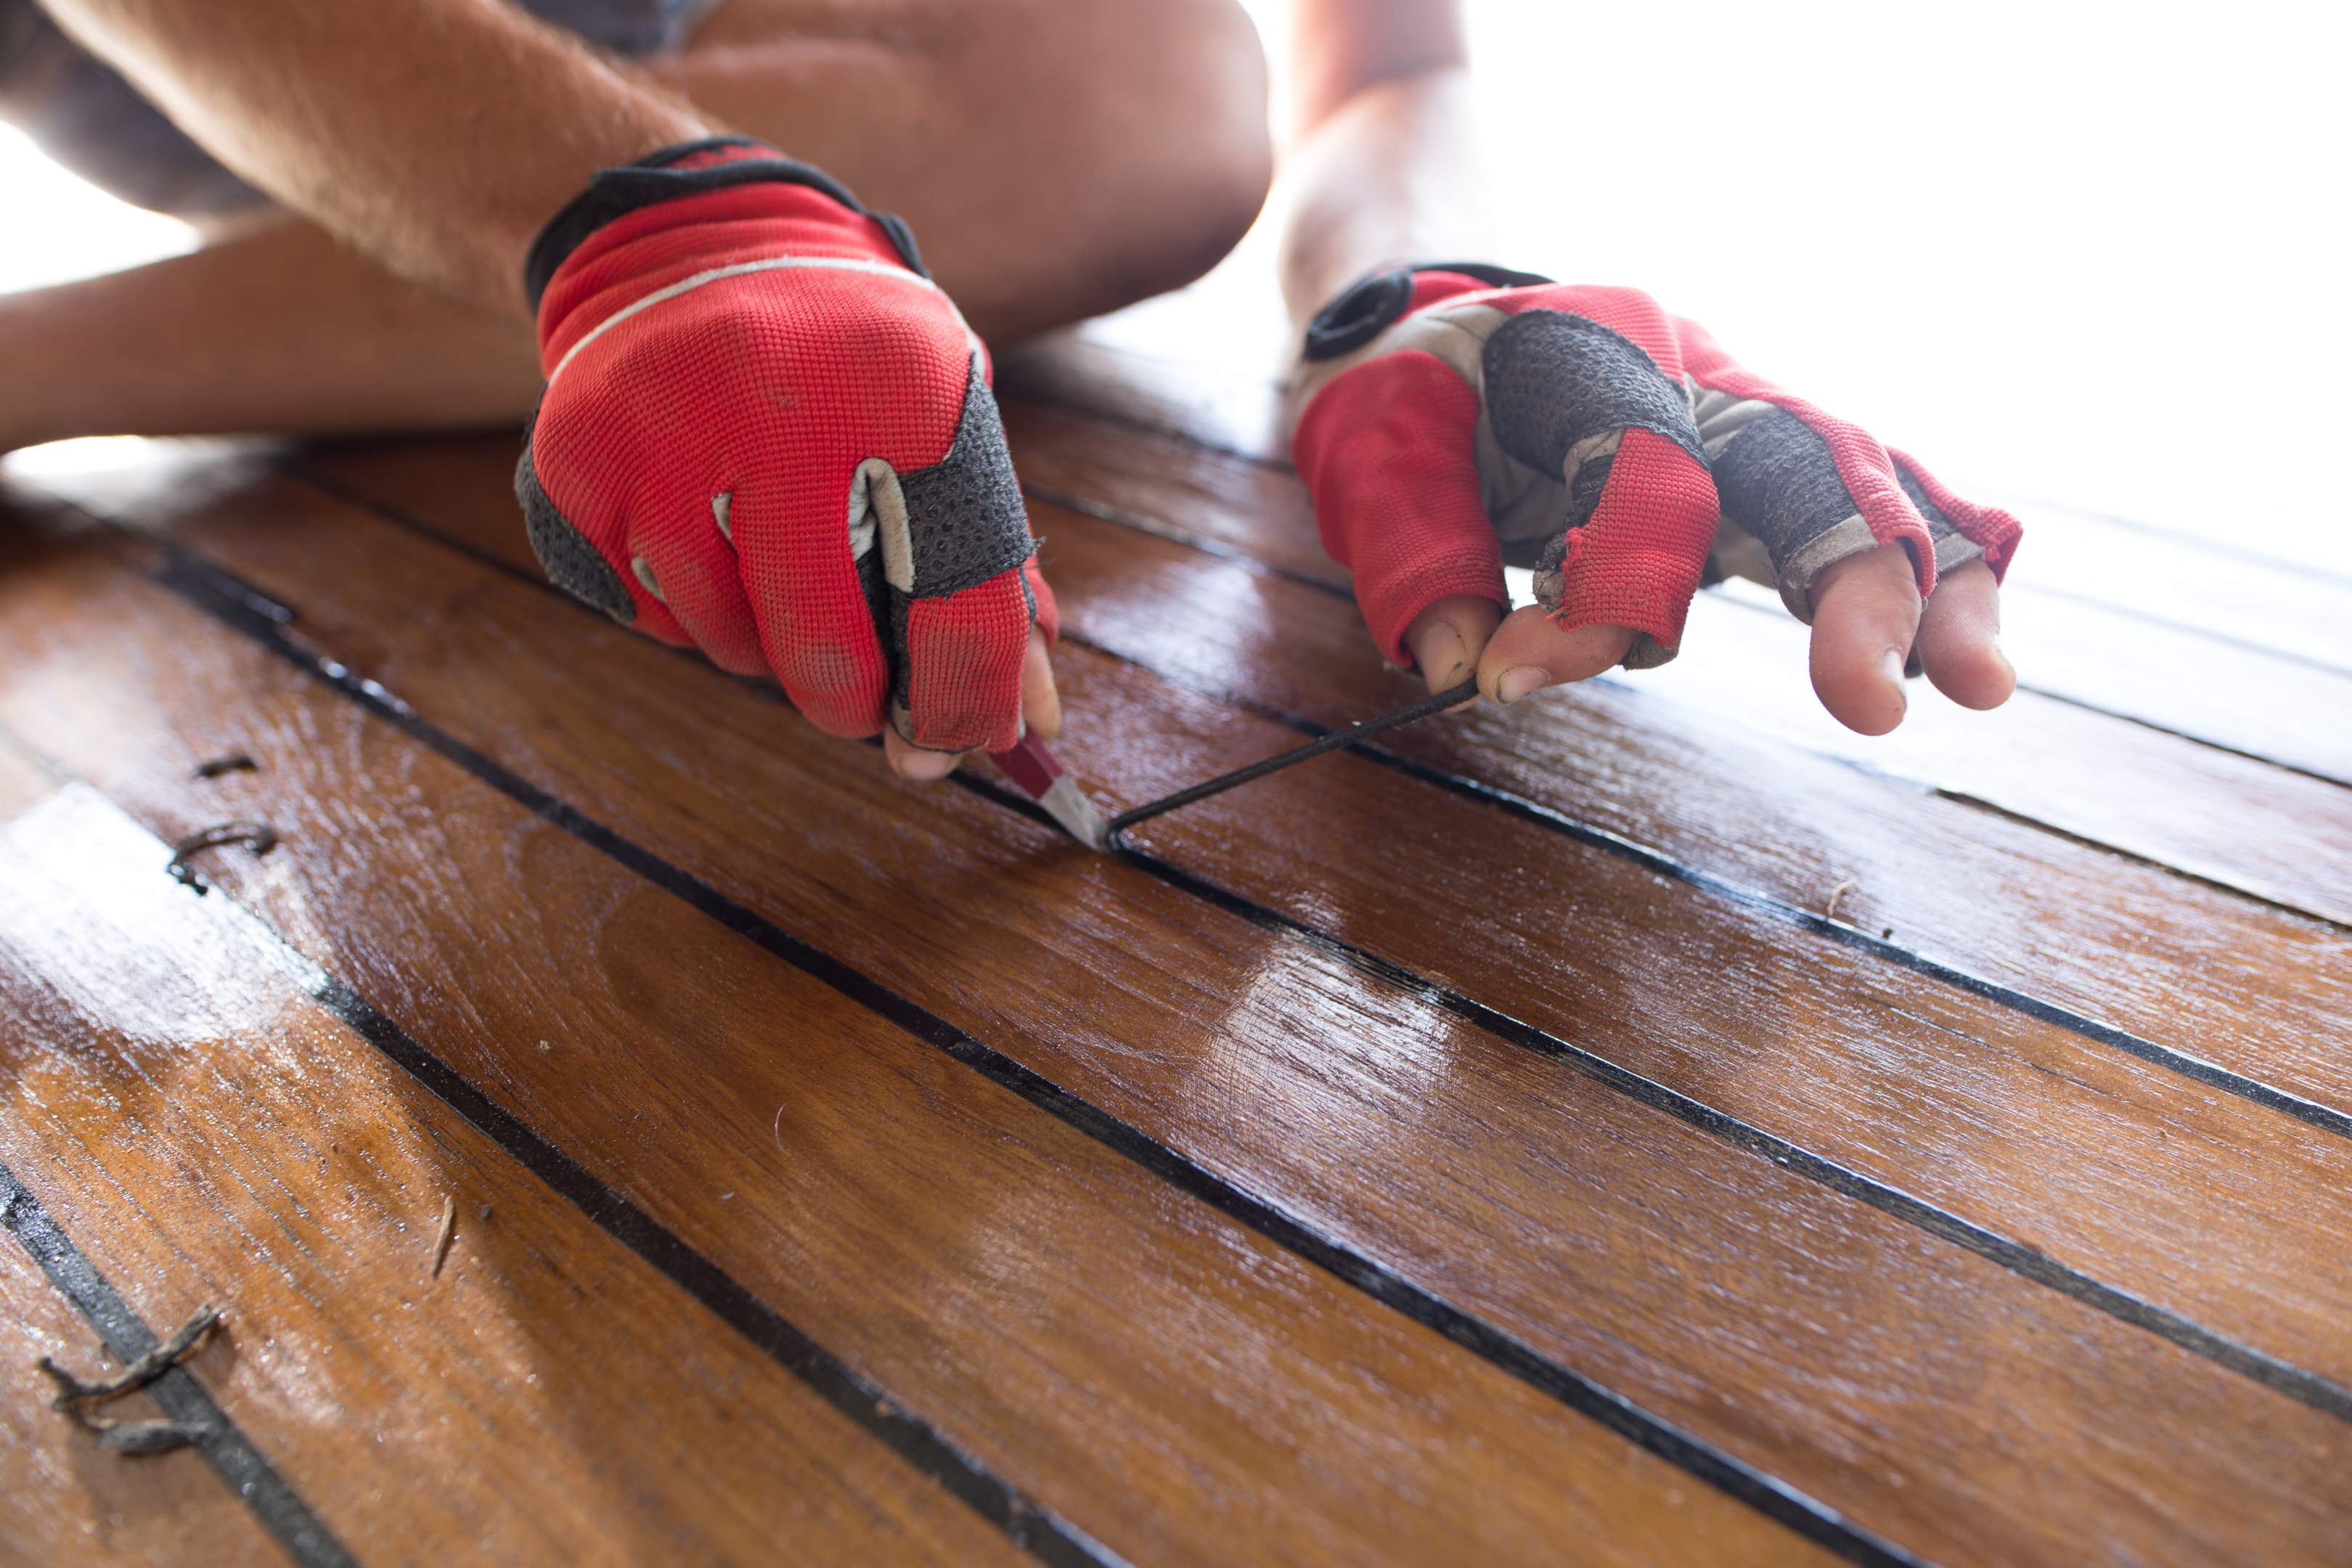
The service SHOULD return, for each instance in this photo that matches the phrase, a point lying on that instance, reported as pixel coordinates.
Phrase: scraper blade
(1033, 771)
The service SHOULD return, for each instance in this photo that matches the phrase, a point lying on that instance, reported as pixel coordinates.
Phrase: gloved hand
(1457, 416)
(767, 433)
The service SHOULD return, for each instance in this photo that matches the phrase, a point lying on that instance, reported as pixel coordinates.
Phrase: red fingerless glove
(767, 433)
(1457, 416)
(1812, 490)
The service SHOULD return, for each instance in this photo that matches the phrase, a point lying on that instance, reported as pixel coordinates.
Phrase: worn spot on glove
(965, 522)
(1555, 381)
(572, 562)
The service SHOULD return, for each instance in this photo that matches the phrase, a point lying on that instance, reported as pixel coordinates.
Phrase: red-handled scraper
(1036, 773)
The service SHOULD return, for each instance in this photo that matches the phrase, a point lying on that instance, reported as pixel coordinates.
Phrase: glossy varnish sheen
(1121, 1354)
(1162, 1379)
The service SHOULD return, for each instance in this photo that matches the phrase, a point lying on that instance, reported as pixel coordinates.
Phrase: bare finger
(1529, 652)
(1447, 638)
(1865, 615)
(1959, 638)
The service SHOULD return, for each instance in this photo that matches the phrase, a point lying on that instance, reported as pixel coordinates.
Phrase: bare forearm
(437, 135)
(283, 330)
(1390, 175)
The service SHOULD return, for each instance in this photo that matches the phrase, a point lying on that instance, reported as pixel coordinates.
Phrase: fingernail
(1517, 683)
(1890, 664)
(927, 765)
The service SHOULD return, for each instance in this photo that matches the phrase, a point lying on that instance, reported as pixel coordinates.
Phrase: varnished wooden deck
(1477, 1151)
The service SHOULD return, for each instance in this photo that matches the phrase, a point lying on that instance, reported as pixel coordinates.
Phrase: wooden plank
(206, 1133)
(1482, 1164)
(2202, 971)
(67, 1502)
(2301, 610)
(2216, 815)
(2261, 990)
(1177, 1385)
(2224, 692)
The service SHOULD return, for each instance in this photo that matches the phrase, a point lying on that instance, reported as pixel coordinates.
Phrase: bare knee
(1057, 158)
(1162, 155)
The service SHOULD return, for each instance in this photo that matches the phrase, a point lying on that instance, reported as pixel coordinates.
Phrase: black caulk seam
(1028, 1522)
(237, 606)
(2300, 912)
(2306, 1387)
(1121, 518)
(2196, 1068)
(2087, 706)
(226, 1447)
(1546, 817)
(2280, 1377)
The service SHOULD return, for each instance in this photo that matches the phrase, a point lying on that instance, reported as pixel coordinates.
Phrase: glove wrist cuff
(1369, 306)
(688, 169)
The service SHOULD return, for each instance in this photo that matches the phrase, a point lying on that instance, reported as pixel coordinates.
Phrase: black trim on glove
(1366, 308)
(613, 193)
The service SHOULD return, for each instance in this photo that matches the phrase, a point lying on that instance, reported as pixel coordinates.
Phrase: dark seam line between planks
(247, 610)
(2132, 612)
(2207, 742)
(2189, 540)
(1026, 1522)
(240, 1466)
(2194, 1067)
(2280, 1377)
(2216, 884)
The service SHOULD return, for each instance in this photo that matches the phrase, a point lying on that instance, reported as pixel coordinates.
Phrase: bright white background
(2089, 253)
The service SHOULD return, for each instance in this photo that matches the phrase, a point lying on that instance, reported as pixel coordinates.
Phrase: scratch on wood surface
(446, 1233)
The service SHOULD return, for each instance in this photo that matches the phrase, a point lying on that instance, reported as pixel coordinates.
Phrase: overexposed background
(2085, 253)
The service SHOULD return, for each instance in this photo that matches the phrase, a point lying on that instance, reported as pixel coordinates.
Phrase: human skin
(1381, 167)
(1057, 157)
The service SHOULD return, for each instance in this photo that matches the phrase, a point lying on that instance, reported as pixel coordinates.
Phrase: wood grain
(207, 1134)
(1177, 1386)
(1744, 1304)
(2254, 989)
(67, 1502)
(2209, 584)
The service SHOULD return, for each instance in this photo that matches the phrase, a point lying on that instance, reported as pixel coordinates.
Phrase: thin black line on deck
(227, 1448)
(2196, 1069)
(245, 609)
(2306, 1387)
(2280, 1377)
